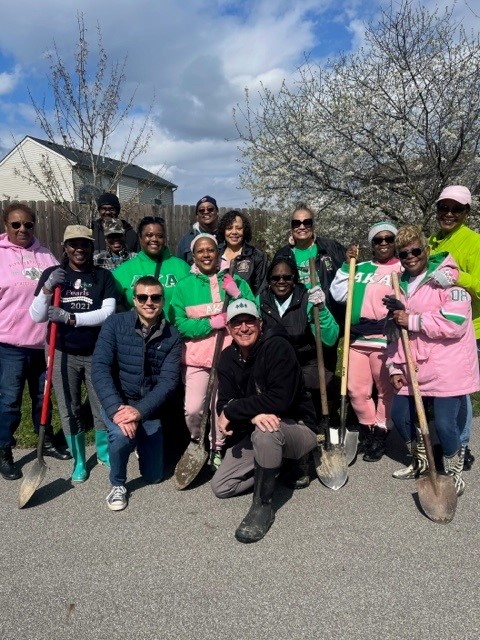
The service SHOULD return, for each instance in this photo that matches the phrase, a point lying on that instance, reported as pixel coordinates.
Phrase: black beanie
(111, 199)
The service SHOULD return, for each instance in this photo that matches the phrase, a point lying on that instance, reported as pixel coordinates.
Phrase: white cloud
(8, 81)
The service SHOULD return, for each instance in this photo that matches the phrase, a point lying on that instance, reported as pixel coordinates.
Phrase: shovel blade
(437, 497)
(189, 465)
(331, 466)
(350, 445)
(31, 481)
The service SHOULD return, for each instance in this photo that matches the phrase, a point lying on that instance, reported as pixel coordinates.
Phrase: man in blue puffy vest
(136, 368)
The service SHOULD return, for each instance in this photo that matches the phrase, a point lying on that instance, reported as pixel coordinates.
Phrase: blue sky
(195, 56)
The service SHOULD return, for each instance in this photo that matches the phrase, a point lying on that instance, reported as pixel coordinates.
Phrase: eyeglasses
(17, 225)
(307, 223)
(238, 321)
(286, 277)
(143, 297)
(445, 208)
(209, 210)
(387, 239)
(416, 252)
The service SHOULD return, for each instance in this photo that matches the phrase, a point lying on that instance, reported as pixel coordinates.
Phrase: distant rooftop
(110, 165)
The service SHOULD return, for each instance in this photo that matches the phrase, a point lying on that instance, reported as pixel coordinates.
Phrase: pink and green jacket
(442, 337)
(195, 300)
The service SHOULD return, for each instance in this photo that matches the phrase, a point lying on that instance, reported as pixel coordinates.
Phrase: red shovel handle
(51, 352)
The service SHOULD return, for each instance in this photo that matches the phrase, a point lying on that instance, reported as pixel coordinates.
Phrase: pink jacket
(20, 270)
(441, 337)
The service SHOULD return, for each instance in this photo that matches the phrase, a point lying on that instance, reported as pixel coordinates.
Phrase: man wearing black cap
(207, 222)
(109, 208)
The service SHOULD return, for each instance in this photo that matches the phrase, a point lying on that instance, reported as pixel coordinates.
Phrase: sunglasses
(17, 225)
(209, 210)
(143, 297)
(285, 277)
(403, 255)
(237, 322)
(445, 208)
(387, 239)
(307, 223)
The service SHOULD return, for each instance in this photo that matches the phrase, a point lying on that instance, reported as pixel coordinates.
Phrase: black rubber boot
(377, 446)
(50, 449)
(365, 435)
(295, 473)
(260, 516)
(7, 468)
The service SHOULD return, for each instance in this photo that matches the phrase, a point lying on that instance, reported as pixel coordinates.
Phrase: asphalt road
(363, 562)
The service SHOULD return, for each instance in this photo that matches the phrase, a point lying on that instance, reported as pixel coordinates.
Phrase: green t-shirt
(302, 258)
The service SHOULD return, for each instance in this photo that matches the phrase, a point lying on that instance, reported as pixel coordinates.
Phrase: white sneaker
(117, 498)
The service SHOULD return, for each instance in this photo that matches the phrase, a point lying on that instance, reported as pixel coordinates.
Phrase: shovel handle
(422, 419)
(53, 328)
(348, 324)
(319, 346)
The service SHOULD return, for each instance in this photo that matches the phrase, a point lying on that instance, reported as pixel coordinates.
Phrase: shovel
(436, 494)
(35, 475)
(349, 439)
(195, 455)
(330, 462)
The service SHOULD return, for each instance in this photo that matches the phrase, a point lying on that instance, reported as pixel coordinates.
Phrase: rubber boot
(7, 468)
(377, 446)
(295, 473)
(419, 465)
(76, 444)
(453, 466)
(260, 516)
(101, 446)
(364, 438)
(50, 449)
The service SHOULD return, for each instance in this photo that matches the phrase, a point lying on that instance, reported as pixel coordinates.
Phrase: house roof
(110, 165)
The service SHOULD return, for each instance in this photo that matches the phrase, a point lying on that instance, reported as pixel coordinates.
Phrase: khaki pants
(292, 440)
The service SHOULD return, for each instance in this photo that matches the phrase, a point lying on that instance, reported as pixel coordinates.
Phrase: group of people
(134, 320)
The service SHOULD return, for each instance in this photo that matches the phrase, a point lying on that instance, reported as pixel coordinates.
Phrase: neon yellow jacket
(463, 244)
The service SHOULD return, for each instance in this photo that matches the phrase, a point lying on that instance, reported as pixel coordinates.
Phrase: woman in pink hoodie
(22, 341)
(438, 317)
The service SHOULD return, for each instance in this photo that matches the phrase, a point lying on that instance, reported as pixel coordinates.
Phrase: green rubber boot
(101, 445)
(76, 445)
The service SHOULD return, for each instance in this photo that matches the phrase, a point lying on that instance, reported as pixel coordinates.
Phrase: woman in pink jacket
(22, 341)
(438, 317)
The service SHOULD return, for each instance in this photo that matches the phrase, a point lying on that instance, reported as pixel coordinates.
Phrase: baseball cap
(77, 231)
(240, 307)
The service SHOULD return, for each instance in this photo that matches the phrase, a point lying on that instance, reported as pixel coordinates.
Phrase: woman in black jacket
(234, 235)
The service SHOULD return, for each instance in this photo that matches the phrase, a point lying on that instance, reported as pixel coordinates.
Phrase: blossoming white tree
(374, 134)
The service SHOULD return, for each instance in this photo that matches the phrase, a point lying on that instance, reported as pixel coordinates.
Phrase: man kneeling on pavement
(136, 368)
(265, 412)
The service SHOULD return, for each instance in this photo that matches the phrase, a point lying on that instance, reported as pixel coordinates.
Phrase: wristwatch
(72, 319)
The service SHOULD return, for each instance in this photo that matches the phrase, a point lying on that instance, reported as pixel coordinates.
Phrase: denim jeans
(448, 419)
(149, 449)
(466, 419)
(20, 365)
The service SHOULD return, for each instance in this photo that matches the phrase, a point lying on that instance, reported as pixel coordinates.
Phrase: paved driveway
(362, 562)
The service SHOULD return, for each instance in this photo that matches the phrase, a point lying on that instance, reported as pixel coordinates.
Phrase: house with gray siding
(71, 171)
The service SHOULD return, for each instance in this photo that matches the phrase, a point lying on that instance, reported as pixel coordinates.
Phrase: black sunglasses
(208, 210)
(17, 225)
(445, 208)
(307, 223)
(286, 277)
(387, 239)
(143, 297)
(403, 255)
